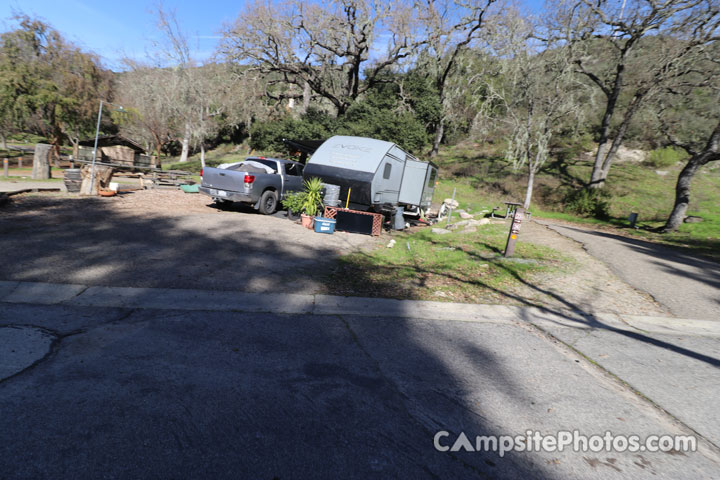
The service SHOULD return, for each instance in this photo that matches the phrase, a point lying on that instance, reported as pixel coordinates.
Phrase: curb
(40, 293)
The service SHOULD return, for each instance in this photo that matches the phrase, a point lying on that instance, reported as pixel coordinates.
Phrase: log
(41, 162)
(103, 175)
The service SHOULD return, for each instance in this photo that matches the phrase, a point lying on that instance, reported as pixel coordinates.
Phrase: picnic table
(509, 208)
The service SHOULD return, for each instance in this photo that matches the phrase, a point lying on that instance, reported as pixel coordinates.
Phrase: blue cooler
(324, 225)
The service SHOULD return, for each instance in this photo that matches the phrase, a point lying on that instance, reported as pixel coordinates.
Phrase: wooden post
(6, 163)
(19, 162)
(518, 217)
(41, 162)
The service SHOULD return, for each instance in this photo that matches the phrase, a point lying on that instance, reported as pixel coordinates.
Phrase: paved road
(688, 286)
(14, 186)
(145, 383)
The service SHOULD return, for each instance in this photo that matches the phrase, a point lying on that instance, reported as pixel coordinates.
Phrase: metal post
(5, 167)
(633, 219)
(97, 133)
(451, 205)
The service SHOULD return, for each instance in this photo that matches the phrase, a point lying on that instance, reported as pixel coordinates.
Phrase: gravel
(163, 238)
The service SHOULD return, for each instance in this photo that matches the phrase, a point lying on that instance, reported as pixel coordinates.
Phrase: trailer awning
(303, 146)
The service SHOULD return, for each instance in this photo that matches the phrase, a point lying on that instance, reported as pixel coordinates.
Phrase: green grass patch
(666, 157)
(457, 267)
(484, 180)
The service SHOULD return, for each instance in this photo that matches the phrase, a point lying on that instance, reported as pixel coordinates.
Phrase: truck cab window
(293, 169)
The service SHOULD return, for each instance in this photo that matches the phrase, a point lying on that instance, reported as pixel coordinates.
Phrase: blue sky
(127, 28)
(122, 28)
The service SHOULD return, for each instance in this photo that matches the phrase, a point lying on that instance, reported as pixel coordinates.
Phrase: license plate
(222, 193)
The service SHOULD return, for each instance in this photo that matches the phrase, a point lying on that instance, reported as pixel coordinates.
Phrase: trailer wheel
(268, 202)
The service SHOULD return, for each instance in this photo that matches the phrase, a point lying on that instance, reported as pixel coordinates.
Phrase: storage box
(324, 225)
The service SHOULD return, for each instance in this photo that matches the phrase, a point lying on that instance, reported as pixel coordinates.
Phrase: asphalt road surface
(153, 393)
(688, 286)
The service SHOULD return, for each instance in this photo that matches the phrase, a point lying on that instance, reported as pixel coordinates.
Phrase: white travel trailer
(379, 175)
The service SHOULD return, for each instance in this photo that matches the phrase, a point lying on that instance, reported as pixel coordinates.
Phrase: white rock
(465, 215)
(440, 231)
(391, 244)
(482, 221)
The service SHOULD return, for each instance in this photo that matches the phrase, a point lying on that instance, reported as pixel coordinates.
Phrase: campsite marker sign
(517, 220)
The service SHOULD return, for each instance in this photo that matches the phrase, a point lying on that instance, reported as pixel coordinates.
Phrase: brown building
(116, 150)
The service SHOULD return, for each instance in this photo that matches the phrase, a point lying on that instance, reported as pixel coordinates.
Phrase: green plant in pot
(293, 203)
(312, 203)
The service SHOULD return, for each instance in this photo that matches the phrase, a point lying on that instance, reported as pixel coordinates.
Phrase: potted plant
(312, 203)
(293, 203)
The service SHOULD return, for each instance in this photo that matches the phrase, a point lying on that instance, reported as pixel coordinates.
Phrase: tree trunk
(596, 180)
(158, 146)
(3, 141)
(530, 185)
(682, 188)
(307, 94)
(202, 155)
(101, 180)
(56, 143)
(41, 162)
(76, 147)
(439, 132)
(603, 161)
(185, 144)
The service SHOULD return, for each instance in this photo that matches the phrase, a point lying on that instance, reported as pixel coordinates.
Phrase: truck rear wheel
(268, 202)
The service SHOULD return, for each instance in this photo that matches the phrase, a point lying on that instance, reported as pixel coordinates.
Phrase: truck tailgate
(223, 179)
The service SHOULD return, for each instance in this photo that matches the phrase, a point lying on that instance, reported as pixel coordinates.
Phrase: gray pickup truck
(259, 181)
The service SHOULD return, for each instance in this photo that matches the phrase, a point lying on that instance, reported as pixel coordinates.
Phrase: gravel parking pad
(163, 238)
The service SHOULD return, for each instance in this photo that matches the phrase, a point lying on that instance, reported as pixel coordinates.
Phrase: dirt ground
(163, 238)
(589, 285)
(166, 238)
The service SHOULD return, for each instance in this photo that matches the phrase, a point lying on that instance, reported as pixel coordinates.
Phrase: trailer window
(388, 169)
(431, 178)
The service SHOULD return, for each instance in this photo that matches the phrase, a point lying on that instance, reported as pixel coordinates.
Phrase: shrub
(666, 157)
(294, 202)
(588, 203)
(312, 201)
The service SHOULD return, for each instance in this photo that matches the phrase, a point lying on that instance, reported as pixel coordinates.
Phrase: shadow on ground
(85, 241)
(706, 271)
(586, 317)
(131, 394)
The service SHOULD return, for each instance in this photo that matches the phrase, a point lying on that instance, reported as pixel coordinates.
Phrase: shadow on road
(706, 270)
(173, 394)
(575, 312)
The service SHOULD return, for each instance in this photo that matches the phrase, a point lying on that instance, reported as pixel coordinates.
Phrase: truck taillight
(249, 178)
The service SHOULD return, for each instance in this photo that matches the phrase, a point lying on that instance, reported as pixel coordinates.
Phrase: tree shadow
(706, 271)
(573, 311)
(219, 394)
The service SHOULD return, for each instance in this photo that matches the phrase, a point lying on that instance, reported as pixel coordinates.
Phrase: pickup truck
(259, 181)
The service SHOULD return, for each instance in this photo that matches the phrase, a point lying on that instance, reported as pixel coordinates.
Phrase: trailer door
(413, 182)
(386, 185)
